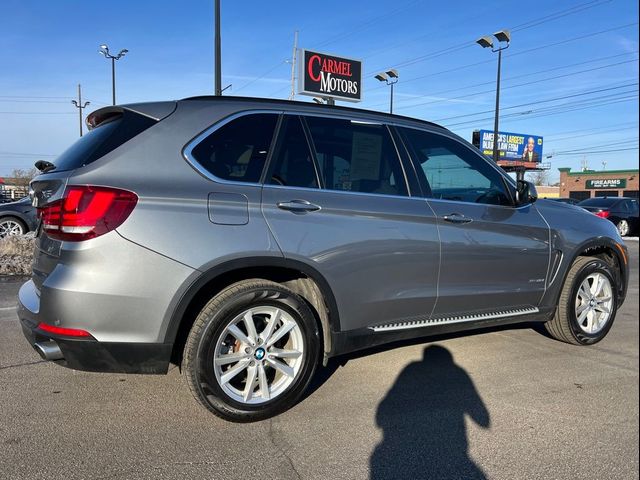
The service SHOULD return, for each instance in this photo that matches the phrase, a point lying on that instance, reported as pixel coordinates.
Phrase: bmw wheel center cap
(259, 353)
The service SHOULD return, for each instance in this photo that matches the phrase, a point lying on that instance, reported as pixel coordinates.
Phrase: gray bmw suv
(250, 240)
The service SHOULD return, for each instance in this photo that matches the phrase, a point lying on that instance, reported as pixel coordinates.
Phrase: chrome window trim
(187, 150)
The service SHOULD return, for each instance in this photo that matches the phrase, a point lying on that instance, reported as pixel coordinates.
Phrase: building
(545, 191)
(591, 183)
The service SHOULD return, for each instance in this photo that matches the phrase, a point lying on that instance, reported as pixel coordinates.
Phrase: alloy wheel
(259, 354)
(10, 227)
(594, 303)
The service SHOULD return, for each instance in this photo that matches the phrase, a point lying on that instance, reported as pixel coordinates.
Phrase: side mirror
(526, 193)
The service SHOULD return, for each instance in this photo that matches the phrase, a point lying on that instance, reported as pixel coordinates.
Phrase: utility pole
(80, 106)
(217, 50)
(292, 94)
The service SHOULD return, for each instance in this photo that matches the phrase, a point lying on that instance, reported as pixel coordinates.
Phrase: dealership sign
(323, 75)
(512, 146)
(606, 183)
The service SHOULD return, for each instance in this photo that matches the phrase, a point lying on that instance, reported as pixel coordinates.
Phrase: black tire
(199, 351)
(22, 225)
(564, 325)
(623, 227)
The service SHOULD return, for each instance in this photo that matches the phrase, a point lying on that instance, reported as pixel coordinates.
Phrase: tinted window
(237, 151)
(451, 171)
(356, 157)
(102, 140)
(293, 166)
(599, 202)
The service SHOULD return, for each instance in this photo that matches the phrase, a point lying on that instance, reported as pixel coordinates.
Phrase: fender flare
(599, 242)
(216, 271)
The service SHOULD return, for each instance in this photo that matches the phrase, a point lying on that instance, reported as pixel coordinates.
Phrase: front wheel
(252, 351)
(587, 305)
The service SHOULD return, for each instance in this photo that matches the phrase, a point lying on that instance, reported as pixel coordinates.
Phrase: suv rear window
(238, 150)
(103, 139)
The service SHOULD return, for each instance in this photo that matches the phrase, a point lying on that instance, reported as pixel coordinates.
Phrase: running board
(459, 319)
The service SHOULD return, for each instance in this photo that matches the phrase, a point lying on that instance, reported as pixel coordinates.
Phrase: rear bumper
(89, 354)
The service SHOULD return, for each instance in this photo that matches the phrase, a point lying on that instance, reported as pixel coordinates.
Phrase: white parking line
(6, 309)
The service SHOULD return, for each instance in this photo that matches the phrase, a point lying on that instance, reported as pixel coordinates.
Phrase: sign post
(330, 77)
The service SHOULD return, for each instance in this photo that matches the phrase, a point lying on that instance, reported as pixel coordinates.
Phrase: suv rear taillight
(86, 211)
(603, 214)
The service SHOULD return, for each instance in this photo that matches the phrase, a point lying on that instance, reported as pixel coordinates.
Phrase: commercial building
(591, 183)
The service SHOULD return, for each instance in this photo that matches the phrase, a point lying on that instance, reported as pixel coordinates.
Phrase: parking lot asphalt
(501, 404)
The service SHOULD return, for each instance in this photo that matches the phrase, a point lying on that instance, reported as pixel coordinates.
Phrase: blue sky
(570, 75)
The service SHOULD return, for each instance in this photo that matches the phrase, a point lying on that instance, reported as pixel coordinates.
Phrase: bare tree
(21, 177)
(539, 177)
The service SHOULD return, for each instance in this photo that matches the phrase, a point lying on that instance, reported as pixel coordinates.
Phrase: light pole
(80, 106)
(487, 42)
(390, 77)
(217, 50)
(104, 50)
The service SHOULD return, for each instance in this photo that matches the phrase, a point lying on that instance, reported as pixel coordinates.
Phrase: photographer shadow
(423, 422)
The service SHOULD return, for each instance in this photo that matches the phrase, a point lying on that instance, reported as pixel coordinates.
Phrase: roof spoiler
(153, 110)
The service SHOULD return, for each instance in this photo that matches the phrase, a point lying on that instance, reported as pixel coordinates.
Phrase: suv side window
(356, 157)
(292, 163)
(453, 172)
(238, 150)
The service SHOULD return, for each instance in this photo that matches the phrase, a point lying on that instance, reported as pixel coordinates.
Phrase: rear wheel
(588, 302)
(623, 228)
(252, 351)
(11, 226)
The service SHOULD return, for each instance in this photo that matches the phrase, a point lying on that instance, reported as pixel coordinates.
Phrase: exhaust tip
(49, 350)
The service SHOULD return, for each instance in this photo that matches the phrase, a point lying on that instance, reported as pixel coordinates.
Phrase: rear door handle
(456, 218)
(298, 206)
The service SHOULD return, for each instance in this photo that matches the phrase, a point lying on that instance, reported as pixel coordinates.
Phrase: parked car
(622, 211)
(250, 240)
(17, 218)
(570, 201)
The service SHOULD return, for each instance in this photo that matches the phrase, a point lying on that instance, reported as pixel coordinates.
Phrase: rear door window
(292, 162)
(238, 150)
(103, 139)
(356, 157)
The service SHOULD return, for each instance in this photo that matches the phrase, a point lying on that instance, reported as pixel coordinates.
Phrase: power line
(492, 82)
(37, 113)
(591, 134)
(535, 102)
(261, 76)
(364, 25)
(597, 152)
(514, 54)
(16, 154)
(533, 82)
(529, 24)
(525, 114)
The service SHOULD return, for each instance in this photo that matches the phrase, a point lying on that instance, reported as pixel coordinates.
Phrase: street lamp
(390, 77)
(487, 42)
(104, 50)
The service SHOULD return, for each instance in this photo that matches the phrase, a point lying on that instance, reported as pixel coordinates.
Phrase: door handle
(298, 206)
(456, 218)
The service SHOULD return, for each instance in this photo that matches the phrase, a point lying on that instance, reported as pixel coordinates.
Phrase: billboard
(512, 146)
(323, 75)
